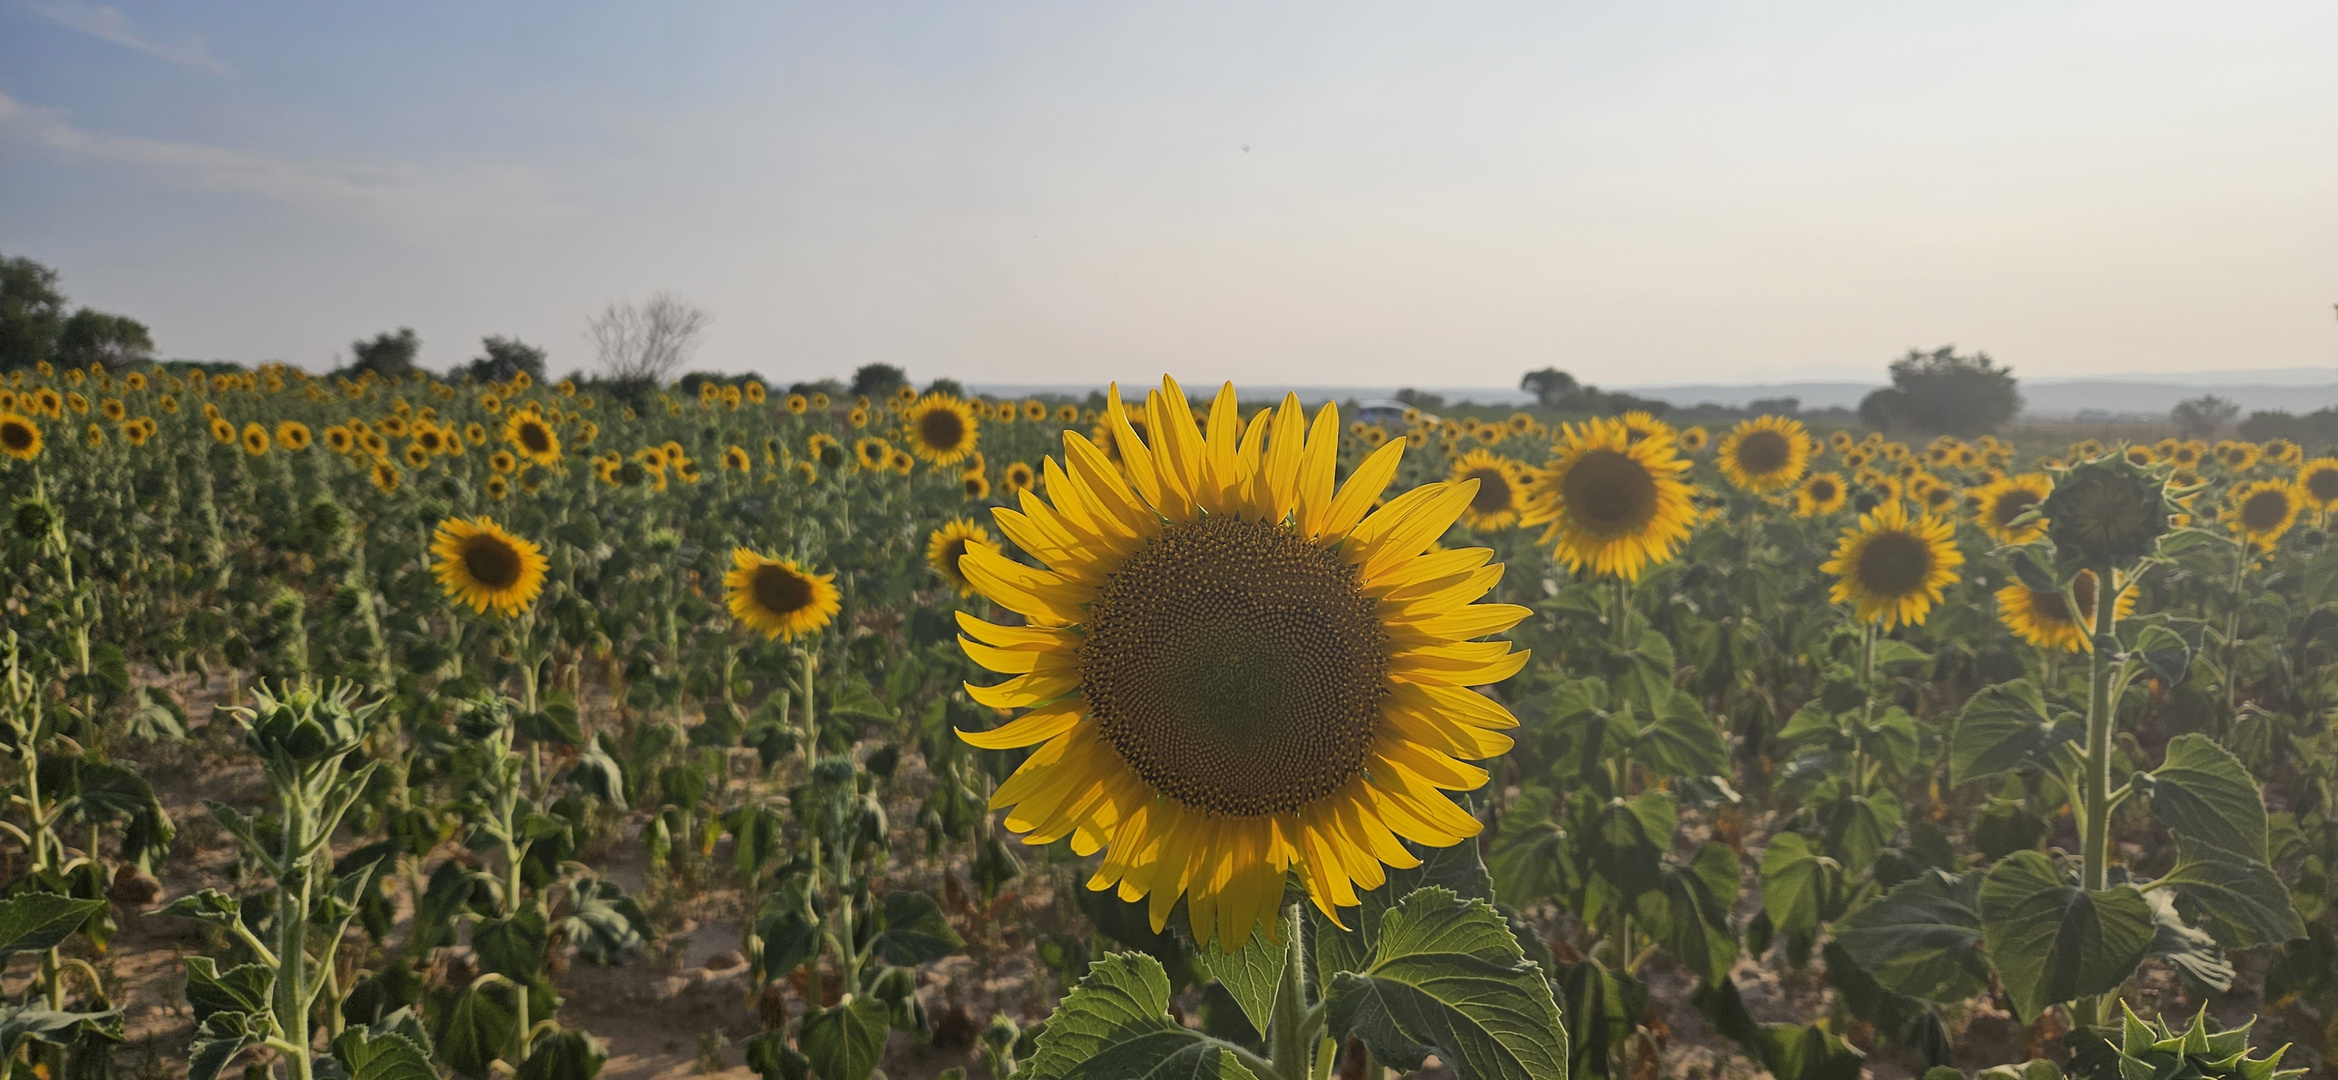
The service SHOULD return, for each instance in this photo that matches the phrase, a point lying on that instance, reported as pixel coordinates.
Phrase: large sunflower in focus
(1231, 671)
(940, 429)
(778, 597)
(944, 547)
(2001, 504)
(1500, 484)
(20, 438)
(1765, 454)
(2261, 510)
(2045, 619)
(482, 565)
(533, 438)
(1612, 504)
(1891, 567)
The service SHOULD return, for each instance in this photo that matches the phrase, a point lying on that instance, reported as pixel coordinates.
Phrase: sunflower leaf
(36, 921)
(1449, 978)
(1923, 938)
(2205, 795)
(1115, 1025)
(2002, 729)
(2054, 941)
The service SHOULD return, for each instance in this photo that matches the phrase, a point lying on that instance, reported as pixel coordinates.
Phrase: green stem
(1291, 1034)
(292, 905)
(2095, 792)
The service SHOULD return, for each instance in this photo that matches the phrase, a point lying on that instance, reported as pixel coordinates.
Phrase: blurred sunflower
(484, 566)
(736, 460)
(292, 435)
(940, 428)
(1501, 482)
(899, 461)
(2237, 456)
(2281, 452)
(858, 417)
(1820, 494)
(1034, 410)
(534, 438)
(1891, 567)
(475, 433)
(255, 438)
(755, 391)
(136, 432)
(2261, 510)
(797, 404)
(20, 437)
(826, 451)
(2317, 482)
(1233, 672)
(496, 487)
(1067, 413)
(2187, 454)
(430, 438)
(222, 431)
(1017, 478)
(1614, 505)
(1765, 454)
(2003, 503)
(1695, 439)
(946, 544)
(112, 409)
(975, 485)
(339, 440)
(416, 456)
(2142, 456)
(2045, 619)
(386, 477)
(778, 597)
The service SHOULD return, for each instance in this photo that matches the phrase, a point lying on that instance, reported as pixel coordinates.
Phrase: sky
(1348, 193)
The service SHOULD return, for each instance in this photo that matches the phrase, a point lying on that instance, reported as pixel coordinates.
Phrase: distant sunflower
(1067, 414)
(1034, 410)
(947, 543)
(2281, 452)
(339, 440)
(222, 431)
(1501, 484)
(113, 409)
(533, 437)
(2237, 456)
(482, 565)
(2261, 510)
(1820, 494)
(20, 437)
(255, 438)
(940, 428)
(1695, 439)
(1891, 567)
(1765, 454)
(393, 426)
(2317, 482)
(135, 432)
(496, 487)
(687, 471)
(1641, 424)
(1938, 498)
(1840, 441)
(2142, 455)
(386, 477)
(293, 435)
(797, 404)
(1609, 503)
(819, 401)
(1232, 672)
(2045, 619)
(805, 471)
(2187, 454)
(975, 485)
(778, 597)
(1018, 478)
(871, 453)
(825, 451)
(2004, 502)
(430, 438)
(899, 461)
(736, 459)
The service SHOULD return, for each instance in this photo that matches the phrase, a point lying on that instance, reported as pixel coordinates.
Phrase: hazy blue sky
(1345, 193)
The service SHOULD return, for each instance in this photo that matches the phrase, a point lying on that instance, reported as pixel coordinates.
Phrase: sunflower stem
(1293, 1024)
(2095, 794)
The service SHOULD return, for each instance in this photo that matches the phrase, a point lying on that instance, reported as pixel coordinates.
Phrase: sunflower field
(369, 729)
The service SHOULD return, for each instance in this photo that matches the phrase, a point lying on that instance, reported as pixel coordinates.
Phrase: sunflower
(113, 409)
(1820, 494)
(386, 477)
(735, 459)
(858, 417)
(1891, 567)
(2045, 619)
(2317, 483)
(416, 456)
(778, 597)
(481, 565)
(1018, 478)
(430, 438)
(940, 428)
(2238, 456)
(135, 431)
(222, 431)
(686, 470)
(1694, 439)
(1501, 481)
(947, 543)
(797, 403)
(1840, 441)
(1232, 671)
(2261, 510)
(2187, 454)
(1034, 410)
(1067, 413)
(339, 440)
(393, 426)
(1939, 498)
(534, 438)
(2001, 504)
(900, 461)
(20, 438)
(2282, 452)
(1610, 503)
(292, 435)
(976, 486)
(496, 487)
(2142, 455)
(255, 438)
(1765, 454)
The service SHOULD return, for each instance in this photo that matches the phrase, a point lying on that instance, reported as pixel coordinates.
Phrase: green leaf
(2206, 796)
(470, 1027)
(512, 947)
(365, 1055)
(853, 700)
(2245, 903)
(2055, 942)
(564, 1055)
(2186, 946)
(1801, 887)
(1249, 974)
(1809, 1052)
(1449, 978)
(773, 1059)
(845, 1043)
(1528, 849)
(1115, 1026)
(35, 922)
(56, 1028)
(915, 931)
(1693, 923)
(243, 989)
(1646, 681)
(1680, 741)
(1892, 652)
(1457, 869)
(217, 1042)
(1860, 827)
(2001, 729)
(1602, 1009)
(1923, 938)
(602, 921)
(2164, 652)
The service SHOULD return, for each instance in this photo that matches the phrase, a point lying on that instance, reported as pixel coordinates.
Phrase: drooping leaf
(601, 921)
(1693, 921)
(2190, 949)
(2001, 729)
(2245, 903)
(845, 1042)
(1602, 1009)
(243, 989)
(34, 921)
(2208, 799)
(2053, 941)
(470, 1027)
(56, 1028)
(512, 947)
(564, 1055)
(915, 931)
(2163, 652)
(1115, 1025)
(1681, 741)
(1923, 938)
(1800, 886)
(1448, 978)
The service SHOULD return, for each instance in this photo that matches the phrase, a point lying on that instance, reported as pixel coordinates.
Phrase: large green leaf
(243, 989)
(2244, 902)
(1115, 1026)
(564, 1055)
(1249, 974)
(365, 1055)
(37, 921)
(845, 1043)
(2207, 798)
(1529, 847)
(1602, 1009)
(1809, 1052)
(2163, 652)
(2187, 947)
(217, 1041)
(915, 930)
(1457, 869)
(1448, 978)
(1923, 938)
(1693, 919)
(1801, 887)
(1681, 741)
(512, 947)
(2054, 941)
(2001, 729)
(20, 1023)
(470, 1027)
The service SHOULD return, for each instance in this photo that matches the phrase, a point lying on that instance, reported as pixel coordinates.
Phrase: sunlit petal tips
(1235, 672)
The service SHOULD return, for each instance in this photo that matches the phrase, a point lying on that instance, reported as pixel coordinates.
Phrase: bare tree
(647, 342)
(2199, 417)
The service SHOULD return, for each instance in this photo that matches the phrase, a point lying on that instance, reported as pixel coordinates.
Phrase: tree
(2198, 418)
(874, 381)
(94, 337)
(32, 312)
(1422, 401)
(645, 344)
(1944, 393)
(505, 357)
(952, 387)
(387, 354)
(1549, 386)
